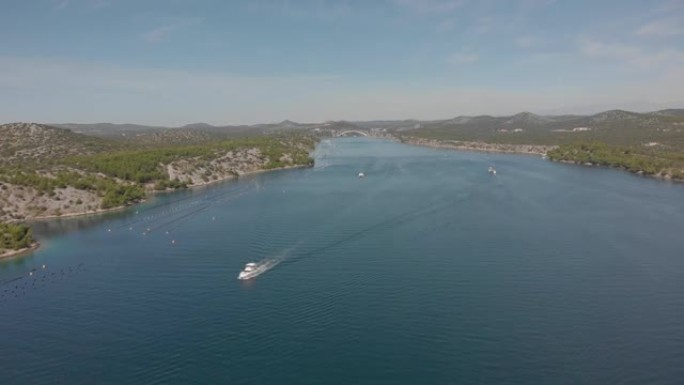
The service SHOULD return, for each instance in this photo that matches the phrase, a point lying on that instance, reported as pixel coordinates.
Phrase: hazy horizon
(175, 63)
(219, 124)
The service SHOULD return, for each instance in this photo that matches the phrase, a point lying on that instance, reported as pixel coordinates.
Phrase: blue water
(427, 271)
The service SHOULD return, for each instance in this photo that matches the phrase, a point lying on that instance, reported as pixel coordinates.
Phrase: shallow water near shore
(428, 270)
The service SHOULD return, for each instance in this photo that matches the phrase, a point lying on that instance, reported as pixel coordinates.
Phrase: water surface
(429, 270)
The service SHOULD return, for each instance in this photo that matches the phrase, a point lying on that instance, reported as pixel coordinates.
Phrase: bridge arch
(347, 132)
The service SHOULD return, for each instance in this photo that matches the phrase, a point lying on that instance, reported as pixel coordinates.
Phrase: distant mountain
(615, 115)
(526, 126)
(527, 118)
(288, 124)
(669, 112)
(665, 127)
(108, 129)
(339, 125)
(189, 133)
(199, 126)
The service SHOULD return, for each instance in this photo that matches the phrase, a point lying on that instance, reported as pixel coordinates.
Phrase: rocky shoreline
(233, 176)
(526, 149)
(661, 177)
(21, 202)
(17, 253)
(529, 149)
(21, 252)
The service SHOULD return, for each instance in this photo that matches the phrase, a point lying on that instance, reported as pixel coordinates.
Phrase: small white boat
(254, 269)
(361, 175)
(491, 170)
(249, 271)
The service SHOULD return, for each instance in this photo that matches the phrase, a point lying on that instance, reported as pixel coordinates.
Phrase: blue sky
(174, 62)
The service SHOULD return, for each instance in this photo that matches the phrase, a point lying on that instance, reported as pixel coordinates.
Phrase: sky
(174, 62)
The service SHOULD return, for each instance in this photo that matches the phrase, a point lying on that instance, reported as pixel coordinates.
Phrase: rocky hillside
(34, 143)
(47, 171)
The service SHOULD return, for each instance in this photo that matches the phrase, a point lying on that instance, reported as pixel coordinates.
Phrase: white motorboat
(249, 271)
(253, 269)
(491, 170)
(361, 175)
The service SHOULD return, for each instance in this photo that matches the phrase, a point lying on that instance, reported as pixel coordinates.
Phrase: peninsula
(49, 172)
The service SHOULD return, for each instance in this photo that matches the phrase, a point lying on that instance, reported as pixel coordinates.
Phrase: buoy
(43, 266)
(31, 273)
(173, 241)
(109, 230)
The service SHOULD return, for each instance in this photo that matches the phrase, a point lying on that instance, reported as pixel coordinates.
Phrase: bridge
(352, 132)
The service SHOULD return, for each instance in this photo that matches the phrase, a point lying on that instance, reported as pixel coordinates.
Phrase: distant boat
(491, 170)
(252, 269)
(361, 175)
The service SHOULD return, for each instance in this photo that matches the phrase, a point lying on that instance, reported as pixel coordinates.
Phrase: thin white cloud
(447, 25)
(429, 6)
(159, 34)
(528, 41)
(662, 28)
(303, 9)
(632, 55)
(463, 58)
(484, 25)
(100, 3)
(99, 91)
(94, 4)
(57, 90)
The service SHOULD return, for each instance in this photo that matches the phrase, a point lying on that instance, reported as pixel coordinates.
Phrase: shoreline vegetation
(8, 254)
(15, 239)
(643, 143)
(658, 164)
(155, 192)
(529, 149)
(654, 163)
